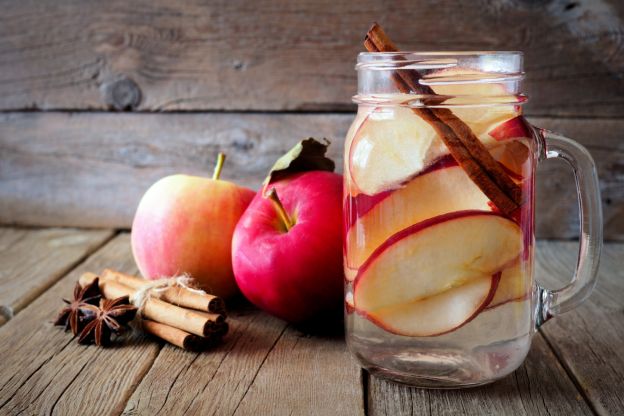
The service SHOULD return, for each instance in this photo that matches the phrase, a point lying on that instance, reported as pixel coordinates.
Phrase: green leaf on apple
(307, 155)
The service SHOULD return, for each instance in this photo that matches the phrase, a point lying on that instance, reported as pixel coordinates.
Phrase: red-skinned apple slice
(434, 193)
(350, 273)
(462, 84)
(428, 262)
(513, 155)
(511, 129)
(438, 314)
(512, 286)
(391, 144)
(513, 151)
(361, 116)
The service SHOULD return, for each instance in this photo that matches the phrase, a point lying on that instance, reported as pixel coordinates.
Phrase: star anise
(74, 315)
(111, 317)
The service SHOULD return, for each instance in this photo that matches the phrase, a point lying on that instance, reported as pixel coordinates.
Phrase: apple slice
(514, 285)
(513, 155)
(436, 192)
(432, 258)
(391, 145)
(360, 117)
(350, 273)
(513, 128)
(349, 303)
(438, 314)
(463, 84)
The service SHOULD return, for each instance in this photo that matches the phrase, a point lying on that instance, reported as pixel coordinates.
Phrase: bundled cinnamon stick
(175, 295)
(186, 328)
(462, 143)
(176, 336)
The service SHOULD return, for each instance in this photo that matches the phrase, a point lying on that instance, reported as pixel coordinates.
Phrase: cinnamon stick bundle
(175, 295)
(194, 322)
(463, 145)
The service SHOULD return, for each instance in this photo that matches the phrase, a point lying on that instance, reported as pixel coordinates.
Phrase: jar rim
(442, 53)
(511, 61)
(460, 78)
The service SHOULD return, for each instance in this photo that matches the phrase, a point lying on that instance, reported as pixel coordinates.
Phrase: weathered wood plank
(539, 387)
(589, 340)
(31, 260)
(268, 55)
(306, 375)
(95, 167)
(91, 169)
(211, 383)
(45, 371)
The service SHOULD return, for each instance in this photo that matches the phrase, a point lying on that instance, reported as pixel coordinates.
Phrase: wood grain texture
(306, 375)
(91, 169)
(590, 339)
(267, 367)
(299, 55)
(95, 167)
(210, 383)
(31, 260)
(45, 371)
(539, 387)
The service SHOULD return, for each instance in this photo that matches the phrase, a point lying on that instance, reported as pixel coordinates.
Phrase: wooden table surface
(265, 366)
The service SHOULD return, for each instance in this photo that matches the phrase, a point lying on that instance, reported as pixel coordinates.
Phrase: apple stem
(218, 166)
(279, 208)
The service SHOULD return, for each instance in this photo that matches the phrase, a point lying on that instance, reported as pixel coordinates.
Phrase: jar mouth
(437, 59)
(453, 78)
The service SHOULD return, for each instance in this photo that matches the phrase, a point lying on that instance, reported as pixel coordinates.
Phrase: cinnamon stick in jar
(462, 143)
(197, 323)
(175, 295)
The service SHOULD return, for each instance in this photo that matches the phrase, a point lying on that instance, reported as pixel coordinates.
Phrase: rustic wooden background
(99, 99)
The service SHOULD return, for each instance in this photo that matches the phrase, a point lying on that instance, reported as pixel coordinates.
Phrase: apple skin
(296, 275)
(495, 280)
(184, 224)
(513, 128)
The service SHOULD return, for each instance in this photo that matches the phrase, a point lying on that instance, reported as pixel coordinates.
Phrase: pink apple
(295, 271)
(184, 224)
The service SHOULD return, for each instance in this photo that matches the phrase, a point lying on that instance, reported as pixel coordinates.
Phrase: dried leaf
(307, 155)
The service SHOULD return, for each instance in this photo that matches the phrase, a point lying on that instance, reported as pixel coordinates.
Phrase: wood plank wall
(252, 77)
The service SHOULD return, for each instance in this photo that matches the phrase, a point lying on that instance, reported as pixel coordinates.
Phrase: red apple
(184, 224)
(288, 258)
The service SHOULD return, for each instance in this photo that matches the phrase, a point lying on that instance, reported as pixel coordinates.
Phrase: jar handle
(554, 302)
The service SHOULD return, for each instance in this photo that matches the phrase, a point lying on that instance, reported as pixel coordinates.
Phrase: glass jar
(439, 209)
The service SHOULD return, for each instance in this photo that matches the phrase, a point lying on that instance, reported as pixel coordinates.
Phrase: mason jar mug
(439, 210)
